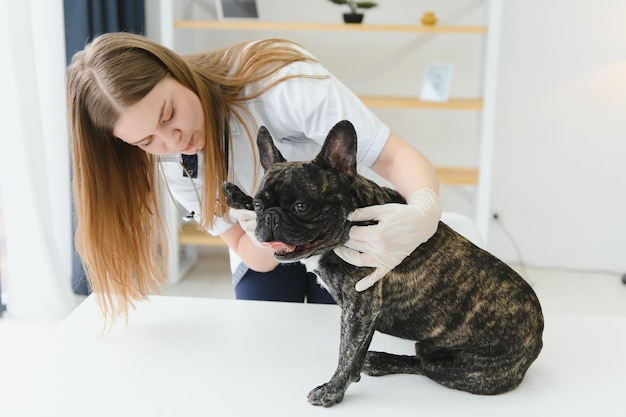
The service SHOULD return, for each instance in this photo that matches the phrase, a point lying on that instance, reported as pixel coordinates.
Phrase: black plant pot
(353, 17)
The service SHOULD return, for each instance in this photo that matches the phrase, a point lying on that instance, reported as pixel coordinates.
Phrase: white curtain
(34, 160)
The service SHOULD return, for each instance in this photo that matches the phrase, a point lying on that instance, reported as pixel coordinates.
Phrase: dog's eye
(300, 207)
(257, 206)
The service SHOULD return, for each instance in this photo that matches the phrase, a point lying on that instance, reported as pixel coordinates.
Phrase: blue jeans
(287, 282)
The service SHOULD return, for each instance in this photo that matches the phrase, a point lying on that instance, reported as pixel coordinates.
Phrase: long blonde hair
(120, 234)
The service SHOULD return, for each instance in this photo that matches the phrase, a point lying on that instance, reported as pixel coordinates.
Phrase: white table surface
(204, 357)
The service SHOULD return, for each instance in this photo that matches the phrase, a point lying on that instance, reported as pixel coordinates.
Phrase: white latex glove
(401, 228)
(247, 221)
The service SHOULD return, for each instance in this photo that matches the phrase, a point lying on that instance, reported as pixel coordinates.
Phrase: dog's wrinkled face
(301, 207)
(299, 211)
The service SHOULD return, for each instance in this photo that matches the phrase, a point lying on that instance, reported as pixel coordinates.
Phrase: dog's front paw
(325, 395)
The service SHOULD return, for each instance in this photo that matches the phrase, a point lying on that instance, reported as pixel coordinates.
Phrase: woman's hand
(401, 228)
(247, 221)
(241, 239)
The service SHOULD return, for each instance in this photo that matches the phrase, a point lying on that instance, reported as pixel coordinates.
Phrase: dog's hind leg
(382, 363)
(462, 371)
(472, 371)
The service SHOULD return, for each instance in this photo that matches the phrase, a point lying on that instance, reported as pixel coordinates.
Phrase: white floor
(209, 278)
(560, 292)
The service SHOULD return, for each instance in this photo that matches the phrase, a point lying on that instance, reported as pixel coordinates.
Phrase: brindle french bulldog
(477, 324)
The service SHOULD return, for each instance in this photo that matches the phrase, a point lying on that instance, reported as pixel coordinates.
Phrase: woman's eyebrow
(157, 124)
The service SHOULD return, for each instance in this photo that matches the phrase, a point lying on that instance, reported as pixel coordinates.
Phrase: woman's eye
(300, 207)
(171, 115)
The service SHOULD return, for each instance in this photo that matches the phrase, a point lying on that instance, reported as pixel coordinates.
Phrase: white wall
(558, 181)
(560, 154)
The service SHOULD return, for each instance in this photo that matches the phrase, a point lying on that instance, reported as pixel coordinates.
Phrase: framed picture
(437, 82)
(236, 9)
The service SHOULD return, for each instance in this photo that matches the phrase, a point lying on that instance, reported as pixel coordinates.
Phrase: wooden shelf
(191, 234)
(410, 102)
(260, 25)
(457, 176)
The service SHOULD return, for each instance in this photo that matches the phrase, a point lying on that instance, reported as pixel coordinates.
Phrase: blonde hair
(120, 234)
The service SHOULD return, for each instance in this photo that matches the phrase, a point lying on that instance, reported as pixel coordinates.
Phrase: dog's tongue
(280, 247)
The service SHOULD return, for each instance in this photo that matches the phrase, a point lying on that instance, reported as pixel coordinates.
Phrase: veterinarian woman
(139, 113)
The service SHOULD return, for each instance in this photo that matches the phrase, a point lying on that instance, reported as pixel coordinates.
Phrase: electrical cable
(516, 247)
(524, 265)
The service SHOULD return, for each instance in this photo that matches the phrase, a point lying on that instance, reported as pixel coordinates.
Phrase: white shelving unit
(478, 176)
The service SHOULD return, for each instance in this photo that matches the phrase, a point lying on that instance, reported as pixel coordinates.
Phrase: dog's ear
(339, 150)
(268, 152)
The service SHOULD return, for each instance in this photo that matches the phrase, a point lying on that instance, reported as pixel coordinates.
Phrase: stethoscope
(189, 165)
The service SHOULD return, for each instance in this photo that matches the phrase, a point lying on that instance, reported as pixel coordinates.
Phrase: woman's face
(167, 120)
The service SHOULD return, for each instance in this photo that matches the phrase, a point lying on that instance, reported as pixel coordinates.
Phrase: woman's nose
(172, 140)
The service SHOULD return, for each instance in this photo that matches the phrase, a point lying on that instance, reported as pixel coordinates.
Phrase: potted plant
(354, 16)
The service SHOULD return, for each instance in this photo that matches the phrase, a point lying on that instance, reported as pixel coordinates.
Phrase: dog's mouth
(285, 252)
(282, 250)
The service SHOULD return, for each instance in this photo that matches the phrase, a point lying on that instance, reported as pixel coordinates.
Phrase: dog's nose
(272, 219)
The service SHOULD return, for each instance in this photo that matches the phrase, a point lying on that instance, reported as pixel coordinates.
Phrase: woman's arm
(400, 228)
(405, 167)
